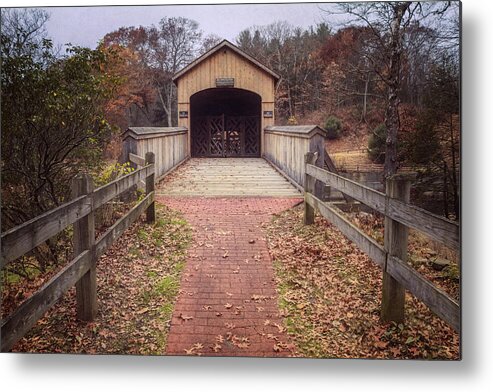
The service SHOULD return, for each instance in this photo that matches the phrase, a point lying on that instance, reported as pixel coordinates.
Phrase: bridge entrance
(225, 122)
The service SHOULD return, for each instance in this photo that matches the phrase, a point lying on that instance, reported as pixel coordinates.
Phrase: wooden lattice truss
(226, 136)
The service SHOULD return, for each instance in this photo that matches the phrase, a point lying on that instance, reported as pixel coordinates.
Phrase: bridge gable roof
(224, 44)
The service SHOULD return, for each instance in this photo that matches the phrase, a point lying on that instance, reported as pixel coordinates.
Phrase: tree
(175, 44)
(159, 53)
(23, 31)
(348, 77)
(290, 52)
(435, 144)
(389, 23)
(135, 103)
(53, 124)
(209, 42)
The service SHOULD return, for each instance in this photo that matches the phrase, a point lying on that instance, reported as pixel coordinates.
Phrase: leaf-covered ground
(434, 261)
(138, 280)
(330, 296)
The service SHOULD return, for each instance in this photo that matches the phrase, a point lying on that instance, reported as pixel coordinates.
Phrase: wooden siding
(287, 153)
(169, 150)
(226, 63)
(285, 147)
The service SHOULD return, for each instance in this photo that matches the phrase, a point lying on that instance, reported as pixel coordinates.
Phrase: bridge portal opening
(225, 122)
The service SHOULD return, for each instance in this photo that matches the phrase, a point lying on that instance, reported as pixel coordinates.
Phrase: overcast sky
(85, 26)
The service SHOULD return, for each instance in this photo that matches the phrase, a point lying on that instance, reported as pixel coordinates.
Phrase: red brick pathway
(227, 304)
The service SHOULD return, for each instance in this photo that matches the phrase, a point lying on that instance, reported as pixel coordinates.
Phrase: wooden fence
(81, 271)
(169, 144)
(286, 146)
(400, 215)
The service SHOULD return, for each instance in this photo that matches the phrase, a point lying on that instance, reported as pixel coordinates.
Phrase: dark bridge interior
(227, 101)
(225, 122)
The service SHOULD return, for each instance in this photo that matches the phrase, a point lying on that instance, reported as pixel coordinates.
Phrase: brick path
(227, 304)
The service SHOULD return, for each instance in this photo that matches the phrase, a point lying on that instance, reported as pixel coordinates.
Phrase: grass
(172, 232)
(138, 282)
(295, 323)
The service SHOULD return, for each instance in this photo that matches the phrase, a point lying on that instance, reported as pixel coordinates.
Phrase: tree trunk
(169, 112)
(445, 191)
(392, 121)
(455, 184)
(365, 97)
(165, 106)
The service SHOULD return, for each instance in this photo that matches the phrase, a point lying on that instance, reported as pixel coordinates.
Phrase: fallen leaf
(185, 318)
(216, 348)
(220, 338)
(381, 344)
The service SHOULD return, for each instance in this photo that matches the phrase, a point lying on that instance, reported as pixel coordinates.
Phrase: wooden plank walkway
(210, 177)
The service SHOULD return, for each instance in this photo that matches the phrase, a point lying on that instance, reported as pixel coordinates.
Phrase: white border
(83, 373)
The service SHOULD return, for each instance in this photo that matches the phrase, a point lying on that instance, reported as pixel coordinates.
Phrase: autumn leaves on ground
(329, 297)
(138, 280)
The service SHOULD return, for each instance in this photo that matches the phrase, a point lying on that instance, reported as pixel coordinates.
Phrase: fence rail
(392, 256)
(169, 144)
(81, 271)
(440, 229)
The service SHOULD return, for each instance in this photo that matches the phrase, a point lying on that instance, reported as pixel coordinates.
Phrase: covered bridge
(225, 99)
(226, 102)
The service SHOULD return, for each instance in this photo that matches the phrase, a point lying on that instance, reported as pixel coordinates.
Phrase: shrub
(112, 172)
(376, 144)
(109, 211)
(292, 120)
(333, 127)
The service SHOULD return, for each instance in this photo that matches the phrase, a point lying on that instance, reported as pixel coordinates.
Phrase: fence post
(129, 145)
(83, 184)
(317, 145)
(309, 185)
(151, 210)
(395, 242)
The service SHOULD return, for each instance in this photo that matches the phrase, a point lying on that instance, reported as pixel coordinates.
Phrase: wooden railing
(285, 147)
(400, 215)
(169, 144)
(81, 271)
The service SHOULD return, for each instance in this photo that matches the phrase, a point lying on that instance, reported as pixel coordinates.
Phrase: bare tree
(290, 52)
(389, 23)
(25, 29)
(174, 44)
(209, 42)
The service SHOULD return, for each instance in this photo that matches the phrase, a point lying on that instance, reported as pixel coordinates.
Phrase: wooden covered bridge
(226, 131)
(227, 146)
